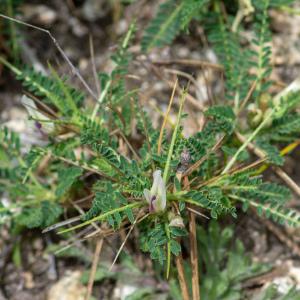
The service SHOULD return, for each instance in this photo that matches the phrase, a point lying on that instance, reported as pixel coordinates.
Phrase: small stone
(68, 287)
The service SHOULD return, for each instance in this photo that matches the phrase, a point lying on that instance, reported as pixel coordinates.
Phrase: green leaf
(41, 216)
(271, 152)
(175, 247)
(164, 26)
(66, 177)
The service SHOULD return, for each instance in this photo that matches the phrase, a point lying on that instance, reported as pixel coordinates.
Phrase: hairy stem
(167, 167)
(104, 216)
(245, 144)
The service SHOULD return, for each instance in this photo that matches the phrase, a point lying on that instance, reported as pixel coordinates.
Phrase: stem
(250, 138)
(167, 167)
(168, 251)
(181, 277)
(124, 46)
(104, 216)
(194, 257)
(77, 164)
(166, 116)
(267, 208)
(94, 268)
(101, 98)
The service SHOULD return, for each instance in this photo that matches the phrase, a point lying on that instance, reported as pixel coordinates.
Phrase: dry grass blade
(60, 224)
(193, 248)
(179, 261)
(235, 170)
(248, 96)
(166, 118)
(194, 257)
(192, 100)
(288, 180)
(64, 55)
(146, 133)
(196, 212)
(94, 268)
(125, 240)
(129, 146)
(85, 167)
(190, 63)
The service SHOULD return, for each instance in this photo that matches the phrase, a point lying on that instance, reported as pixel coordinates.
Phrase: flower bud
(157, 196)
(175, 220)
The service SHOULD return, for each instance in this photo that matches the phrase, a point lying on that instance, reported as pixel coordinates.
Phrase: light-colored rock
(68, 287)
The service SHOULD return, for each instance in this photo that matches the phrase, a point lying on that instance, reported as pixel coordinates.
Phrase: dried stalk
(181, 277)
(190, 63)
(166, 118)
(194, 256)
(94, 268)
(179, 262)
(194, 249)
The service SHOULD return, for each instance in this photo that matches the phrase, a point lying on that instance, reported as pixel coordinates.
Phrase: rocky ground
(28, 267)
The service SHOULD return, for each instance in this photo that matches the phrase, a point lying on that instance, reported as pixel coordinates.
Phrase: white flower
(157, 196)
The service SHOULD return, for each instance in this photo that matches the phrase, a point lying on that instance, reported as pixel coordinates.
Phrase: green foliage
(212, 198)
(271, 152)
(9, 31)
(261, 40)
(9, 141)
(53, 90)
(235, 59)
(223, 116)
(172, 16)
(267, 198)
(154, 240)
(272, 293)
(101, 274)
(164, 26)
(226, 266)
(66, 178)
(42, 216)
(107, 201)
(93, 133)
(279, 3)
(285, 129)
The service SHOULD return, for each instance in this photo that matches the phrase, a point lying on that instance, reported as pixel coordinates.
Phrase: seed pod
(254, 116)
(185, 157)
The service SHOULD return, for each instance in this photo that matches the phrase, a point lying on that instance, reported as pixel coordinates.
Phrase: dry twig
(181, 277)
(194, 249)
(94, 268)
(166, 118)
(190, 63)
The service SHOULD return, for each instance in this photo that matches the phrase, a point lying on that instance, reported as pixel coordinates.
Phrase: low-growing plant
(141, 176)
